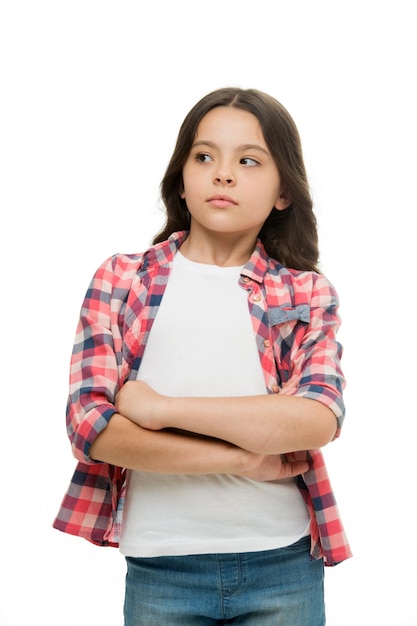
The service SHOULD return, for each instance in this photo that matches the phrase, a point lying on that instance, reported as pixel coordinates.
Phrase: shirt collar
(163, 253)
(258, 264)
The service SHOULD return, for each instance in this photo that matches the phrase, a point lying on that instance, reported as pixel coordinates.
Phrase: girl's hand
(141, 404)
(265, 468)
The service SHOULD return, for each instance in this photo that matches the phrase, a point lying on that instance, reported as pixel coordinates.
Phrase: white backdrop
(92, 95)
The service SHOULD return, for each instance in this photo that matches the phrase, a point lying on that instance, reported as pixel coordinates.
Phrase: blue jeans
(282, 587)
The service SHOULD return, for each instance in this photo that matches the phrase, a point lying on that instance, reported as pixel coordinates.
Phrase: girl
(199, 455)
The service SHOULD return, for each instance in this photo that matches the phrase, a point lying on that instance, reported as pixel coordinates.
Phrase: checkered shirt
(295, 319)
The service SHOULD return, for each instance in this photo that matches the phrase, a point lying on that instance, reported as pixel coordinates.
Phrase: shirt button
(256, 298)
(275, 388)
(245, 279)
(267, 343)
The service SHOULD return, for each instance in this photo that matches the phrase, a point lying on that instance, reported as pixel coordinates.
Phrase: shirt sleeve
(93, 368)
(317, 358)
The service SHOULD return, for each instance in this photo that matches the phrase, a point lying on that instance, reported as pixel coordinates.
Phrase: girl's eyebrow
(241, 148)
(252, 146)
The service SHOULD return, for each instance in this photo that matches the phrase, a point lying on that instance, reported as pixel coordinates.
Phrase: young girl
(205, 377)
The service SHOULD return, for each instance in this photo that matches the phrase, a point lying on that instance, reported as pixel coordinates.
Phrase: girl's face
(231, 182)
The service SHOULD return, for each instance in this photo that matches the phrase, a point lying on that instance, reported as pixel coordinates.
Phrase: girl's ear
(283, 201)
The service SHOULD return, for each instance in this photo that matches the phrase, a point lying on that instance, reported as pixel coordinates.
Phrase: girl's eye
(248, 161)
(202, 157)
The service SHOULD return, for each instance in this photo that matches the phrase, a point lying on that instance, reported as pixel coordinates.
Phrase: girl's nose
(224, 179)
(224, 176)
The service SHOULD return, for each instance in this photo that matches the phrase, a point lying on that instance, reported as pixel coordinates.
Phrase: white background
(92, 96)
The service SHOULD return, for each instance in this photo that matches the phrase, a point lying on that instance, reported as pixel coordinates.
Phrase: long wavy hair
(290, 235)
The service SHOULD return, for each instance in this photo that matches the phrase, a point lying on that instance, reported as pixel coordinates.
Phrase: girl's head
(289, 235)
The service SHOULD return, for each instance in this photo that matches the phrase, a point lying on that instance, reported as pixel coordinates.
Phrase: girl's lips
(221, 201)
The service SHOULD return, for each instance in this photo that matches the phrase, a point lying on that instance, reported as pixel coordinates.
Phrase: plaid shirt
(294, 316)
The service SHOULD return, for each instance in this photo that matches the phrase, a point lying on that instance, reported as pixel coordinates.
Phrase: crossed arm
(213, 435)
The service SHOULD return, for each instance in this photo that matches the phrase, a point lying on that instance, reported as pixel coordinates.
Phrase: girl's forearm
(265, 424)
(125, 444)
(269, 424)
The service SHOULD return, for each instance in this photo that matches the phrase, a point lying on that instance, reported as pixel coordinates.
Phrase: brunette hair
(290, 235)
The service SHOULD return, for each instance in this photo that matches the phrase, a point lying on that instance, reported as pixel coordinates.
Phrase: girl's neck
(225, 250)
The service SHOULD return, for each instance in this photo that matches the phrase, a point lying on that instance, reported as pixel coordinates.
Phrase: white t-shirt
(202, 344)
